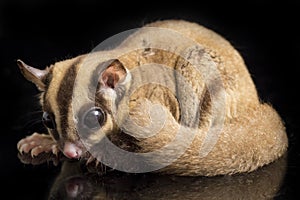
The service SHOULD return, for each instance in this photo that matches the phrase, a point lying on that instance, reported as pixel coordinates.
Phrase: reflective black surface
(72, 182)
(40, 34)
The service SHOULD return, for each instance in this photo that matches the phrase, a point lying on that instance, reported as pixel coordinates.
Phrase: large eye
(94, 118)
(48, 120)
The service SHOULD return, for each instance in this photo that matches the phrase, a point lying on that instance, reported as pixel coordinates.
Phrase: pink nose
(71, 150)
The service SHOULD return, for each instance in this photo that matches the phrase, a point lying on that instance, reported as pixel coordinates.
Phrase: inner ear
(114, 73)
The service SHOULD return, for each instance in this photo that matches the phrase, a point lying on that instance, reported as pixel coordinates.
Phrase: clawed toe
(36, 144)
(36, 151)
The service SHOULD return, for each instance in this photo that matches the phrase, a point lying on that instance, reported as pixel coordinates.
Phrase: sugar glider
(173, 97)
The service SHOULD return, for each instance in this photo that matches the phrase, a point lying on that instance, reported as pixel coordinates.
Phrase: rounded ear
(113, 74)
(34, 75)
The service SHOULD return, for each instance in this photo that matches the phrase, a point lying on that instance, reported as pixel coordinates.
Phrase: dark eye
(94, 118)
(48, 120)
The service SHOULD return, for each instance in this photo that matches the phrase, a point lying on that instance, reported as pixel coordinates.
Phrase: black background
(41, 33)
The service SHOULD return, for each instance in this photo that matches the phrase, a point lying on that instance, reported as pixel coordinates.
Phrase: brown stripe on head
(64, 99)
(58, 96)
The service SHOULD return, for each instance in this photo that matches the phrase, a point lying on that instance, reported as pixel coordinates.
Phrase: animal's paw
(36, 144)
(39, 148)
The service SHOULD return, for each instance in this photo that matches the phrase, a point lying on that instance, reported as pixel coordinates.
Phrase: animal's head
(57, 83)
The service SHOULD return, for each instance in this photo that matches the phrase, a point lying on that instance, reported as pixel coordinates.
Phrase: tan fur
(252, 135)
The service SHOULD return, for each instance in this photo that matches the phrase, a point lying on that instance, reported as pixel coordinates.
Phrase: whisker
(32, 123)
(33, 114)
(37, 111)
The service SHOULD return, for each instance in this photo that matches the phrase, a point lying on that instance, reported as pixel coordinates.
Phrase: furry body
(252, 133)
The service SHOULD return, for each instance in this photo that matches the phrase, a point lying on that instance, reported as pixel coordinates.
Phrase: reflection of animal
(252, 134)
(73, 182)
